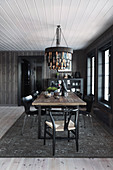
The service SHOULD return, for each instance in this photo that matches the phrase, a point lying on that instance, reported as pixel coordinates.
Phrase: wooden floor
(55, 164)
(8, 115)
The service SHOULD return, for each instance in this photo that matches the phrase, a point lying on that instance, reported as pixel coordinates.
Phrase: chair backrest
(70, 115)
(27, 102)
(37, 92)
(34, 95)
(89, 100)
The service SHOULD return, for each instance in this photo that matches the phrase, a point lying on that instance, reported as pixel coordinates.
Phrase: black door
(39, 81)
(25, 78)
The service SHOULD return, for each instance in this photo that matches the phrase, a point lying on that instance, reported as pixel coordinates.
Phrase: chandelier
(59, 58)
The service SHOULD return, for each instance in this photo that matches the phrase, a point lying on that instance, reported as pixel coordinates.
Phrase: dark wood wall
(8, 78)
(101, 111)
(79, 65)
(9, 75)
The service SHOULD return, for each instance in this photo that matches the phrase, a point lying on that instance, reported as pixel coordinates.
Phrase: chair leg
(91, 122)
(68, 135)
(54, 142)
(32, 123)
(77, 145)
(76, 139)
(45, 133)
(36, 119)
(84, 121)
(24, 124)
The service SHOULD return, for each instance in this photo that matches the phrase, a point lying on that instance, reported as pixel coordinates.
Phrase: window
(106, 79)
(104, 67)
(90, 74)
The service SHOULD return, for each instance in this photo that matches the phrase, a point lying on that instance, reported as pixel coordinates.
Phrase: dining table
(71, 100)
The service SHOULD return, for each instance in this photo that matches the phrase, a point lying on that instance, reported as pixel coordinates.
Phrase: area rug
(94, 142)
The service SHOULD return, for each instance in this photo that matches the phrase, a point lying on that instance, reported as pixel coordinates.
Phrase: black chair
(27, 103)
(86, 111)
(43, 109)
(60, 125)
(34, 95)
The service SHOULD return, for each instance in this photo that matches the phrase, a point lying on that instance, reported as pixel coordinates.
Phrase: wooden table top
(71, 100)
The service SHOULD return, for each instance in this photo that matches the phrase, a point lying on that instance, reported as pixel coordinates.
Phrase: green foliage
(51, 89)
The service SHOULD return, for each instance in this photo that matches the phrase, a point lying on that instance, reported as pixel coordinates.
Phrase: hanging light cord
(63, 38)
(53, 40)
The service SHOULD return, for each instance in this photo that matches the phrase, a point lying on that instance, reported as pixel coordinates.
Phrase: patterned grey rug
(96, 142)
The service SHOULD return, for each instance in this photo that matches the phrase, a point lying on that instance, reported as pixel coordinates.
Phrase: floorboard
(8, 116)
(56, 164)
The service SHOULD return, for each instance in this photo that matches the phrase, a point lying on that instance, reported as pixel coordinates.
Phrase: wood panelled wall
(105, 114)
(8, 78)
(9, 75)
(79, 65)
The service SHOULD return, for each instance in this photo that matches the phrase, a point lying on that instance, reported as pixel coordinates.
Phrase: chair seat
(60, 125)
(83, 109)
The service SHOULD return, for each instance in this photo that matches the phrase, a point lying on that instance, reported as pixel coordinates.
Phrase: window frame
(101, 56)
(89, 87)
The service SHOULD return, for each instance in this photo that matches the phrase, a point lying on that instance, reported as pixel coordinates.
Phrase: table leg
(39, 122)
(65, 115)
(78, 108)
(78, 120)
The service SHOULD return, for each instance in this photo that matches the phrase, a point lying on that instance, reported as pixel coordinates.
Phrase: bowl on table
(47, 95)
(56, 93)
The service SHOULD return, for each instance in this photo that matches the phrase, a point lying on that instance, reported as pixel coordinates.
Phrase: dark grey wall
(79, 62)
(79, 65)
(104, 113)
(9, 75)
(8, 78)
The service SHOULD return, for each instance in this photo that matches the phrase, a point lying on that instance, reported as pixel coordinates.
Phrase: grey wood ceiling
(31, 24)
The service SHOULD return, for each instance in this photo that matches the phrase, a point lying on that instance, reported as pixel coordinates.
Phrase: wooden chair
(65, 124)
(86, 111)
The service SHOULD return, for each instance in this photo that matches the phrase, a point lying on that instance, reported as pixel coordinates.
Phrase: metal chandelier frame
(59, 58)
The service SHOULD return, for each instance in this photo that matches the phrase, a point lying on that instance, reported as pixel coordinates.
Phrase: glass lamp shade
(59, 58)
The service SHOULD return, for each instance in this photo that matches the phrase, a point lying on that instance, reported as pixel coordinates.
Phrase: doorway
(30, 75)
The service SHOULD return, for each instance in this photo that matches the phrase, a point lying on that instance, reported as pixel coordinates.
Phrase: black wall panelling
(9, 75)
(102, 112)
(8, 78)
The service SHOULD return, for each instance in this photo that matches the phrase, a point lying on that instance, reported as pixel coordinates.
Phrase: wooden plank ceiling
(31, 24)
